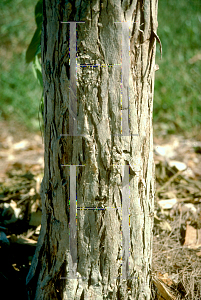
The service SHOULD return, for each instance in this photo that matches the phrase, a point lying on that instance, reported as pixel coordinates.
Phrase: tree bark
(106, 93)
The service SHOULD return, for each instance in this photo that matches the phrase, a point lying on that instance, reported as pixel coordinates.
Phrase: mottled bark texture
(102, 151)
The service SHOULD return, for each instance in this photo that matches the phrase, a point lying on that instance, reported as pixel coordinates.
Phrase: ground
(176, 265)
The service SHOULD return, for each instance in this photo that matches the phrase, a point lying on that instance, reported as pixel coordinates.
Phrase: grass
(177, 98)
(19, 91)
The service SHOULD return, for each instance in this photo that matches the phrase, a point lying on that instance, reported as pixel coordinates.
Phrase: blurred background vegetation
(177, 98)
(20, 92)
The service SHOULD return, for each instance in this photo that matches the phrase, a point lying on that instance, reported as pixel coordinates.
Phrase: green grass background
(177, 100)
(20, 92)
(177, 97)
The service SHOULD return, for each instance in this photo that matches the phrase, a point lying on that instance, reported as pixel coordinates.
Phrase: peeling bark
(102, 152)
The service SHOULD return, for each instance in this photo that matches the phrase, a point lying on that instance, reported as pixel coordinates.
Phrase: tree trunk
(110, 158)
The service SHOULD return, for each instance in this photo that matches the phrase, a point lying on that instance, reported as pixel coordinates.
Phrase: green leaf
(33, 46)
(39, 13)
(36, 66)
(42, 105)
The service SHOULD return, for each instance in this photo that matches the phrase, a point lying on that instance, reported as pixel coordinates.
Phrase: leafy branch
(33, 53)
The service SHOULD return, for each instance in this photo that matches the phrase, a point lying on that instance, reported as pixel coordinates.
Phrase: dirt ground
(176, 268)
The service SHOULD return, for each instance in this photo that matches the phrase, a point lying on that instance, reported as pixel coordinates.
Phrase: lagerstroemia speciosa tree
(98, 65)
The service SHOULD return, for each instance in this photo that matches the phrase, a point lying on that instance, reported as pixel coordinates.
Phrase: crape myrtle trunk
(102, 151)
